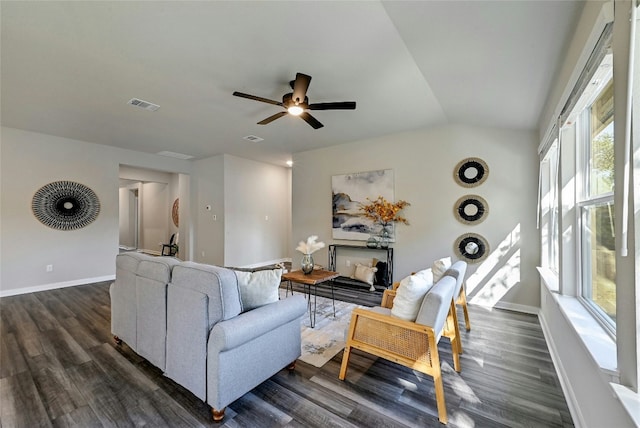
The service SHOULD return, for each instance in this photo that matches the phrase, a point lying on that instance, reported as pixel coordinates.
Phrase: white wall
(31, 160)
(154, 222)
(423, 164)
(128, 218)
(208, 190)
(242, 194)
(586, 386)
(258, 216)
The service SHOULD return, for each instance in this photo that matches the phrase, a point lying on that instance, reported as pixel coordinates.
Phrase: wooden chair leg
(117, 340)
(456, 344)
(465, 309)
(439, 387)
(218, 415)
(345, 362)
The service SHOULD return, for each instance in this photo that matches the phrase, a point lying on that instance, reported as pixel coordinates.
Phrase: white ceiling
(69, 68)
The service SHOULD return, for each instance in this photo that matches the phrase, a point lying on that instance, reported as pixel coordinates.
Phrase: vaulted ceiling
(69, 68)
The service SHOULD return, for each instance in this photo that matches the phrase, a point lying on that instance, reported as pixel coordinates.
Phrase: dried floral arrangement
(311, 246)
(384, 212)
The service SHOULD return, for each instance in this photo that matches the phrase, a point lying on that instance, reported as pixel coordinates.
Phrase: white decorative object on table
(308, 248)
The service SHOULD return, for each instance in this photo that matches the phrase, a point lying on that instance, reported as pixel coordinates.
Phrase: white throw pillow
(410, 293)
(365, 273)
(440, 267)
(258, 288)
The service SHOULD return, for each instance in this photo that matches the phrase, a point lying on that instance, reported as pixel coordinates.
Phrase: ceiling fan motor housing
(288, 101)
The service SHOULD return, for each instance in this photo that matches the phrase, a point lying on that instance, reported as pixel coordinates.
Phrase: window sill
(600, 346)
(629, 399)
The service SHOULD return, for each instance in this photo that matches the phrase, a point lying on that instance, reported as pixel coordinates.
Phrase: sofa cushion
(439, 267)
(219, 284)
(157, 268)
(258, 288)
(410, 294)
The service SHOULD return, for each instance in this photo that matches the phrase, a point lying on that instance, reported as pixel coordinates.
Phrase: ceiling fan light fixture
(295, 110)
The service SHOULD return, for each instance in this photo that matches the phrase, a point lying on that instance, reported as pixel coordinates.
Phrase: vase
(307, 264)
(385, 237)
(372, 242)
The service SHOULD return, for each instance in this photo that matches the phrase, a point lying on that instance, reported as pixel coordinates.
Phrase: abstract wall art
(349, 191)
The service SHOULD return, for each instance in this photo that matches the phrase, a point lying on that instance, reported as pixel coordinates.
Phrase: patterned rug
(327, 338)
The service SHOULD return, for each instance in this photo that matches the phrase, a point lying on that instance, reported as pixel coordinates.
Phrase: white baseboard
(45, 287)
(572, 402)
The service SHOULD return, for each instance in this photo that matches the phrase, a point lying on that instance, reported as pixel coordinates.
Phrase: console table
(389, 252)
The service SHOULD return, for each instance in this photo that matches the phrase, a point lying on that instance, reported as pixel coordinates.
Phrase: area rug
(327, 338)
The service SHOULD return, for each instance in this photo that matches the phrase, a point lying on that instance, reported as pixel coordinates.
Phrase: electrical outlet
(266, 218)
(215, 217)
(203, 254)
(348, 263)
(49, 268)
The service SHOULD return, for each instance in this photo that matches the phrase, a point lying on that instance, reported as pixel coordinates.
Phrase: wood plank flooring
(60, 368)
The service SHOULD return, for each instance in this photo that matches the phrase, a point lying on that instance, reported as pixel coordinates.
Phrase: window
(597, 266)
(549, 208)
(576, 203)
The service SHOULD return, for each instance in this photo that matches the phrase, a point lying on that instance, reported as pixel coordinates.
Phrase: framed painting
(349, 191)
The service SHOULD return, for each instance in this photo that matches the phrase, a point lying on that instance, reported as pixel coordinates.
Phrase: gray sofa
(187, 319)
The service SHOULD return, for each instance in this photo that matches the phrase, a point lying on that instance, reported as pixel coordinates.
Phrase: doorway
(129, 218)
(149, 210)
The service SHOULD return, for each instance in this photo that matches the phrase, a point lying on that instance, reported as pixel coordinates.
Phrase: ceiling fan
(296, 103)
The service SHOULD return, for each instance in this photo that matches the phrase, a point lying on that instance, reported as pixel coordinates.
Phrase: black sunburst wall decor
(65, 205)
(471, 209)
(471, 172)
(471, 247)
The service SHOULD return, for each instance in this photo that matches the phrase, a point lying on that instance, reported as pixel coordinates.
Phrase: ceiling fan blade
(255, 98)
(272, 118)
(341, 105)
(311, 120)
(300, 86)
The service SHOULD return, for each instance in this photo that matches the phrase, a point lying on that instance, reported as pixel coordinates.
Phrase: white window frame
(550, 209)
(584, 200)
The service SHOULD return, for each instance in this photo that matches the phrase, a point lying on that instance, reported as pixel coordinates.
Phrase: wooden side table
(318, 276)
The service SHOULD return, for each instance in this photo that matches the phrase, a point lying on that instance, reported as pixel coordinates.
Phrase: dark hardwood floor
(59, 367)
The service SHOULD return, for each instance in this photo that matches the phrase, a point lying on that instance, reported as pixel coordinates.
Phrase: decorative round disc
(471, 209)
(471, 247)
(174, 212)
(65, 205)
(471, 172)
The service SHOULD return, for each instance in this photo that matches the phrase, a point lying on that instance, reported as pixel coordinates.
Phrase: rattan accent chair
(411, 344)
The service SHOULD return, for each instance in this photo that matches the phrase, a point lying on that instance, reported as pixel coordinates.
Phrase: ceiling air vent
(175, 155)
(253, 138)
(143, 104)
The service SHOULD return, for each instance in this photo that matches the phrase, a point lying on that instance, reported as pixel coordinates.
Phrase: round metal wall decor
(471, 247)
(65, 205)
(471, 209)
(174, 212)
(471, 172)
